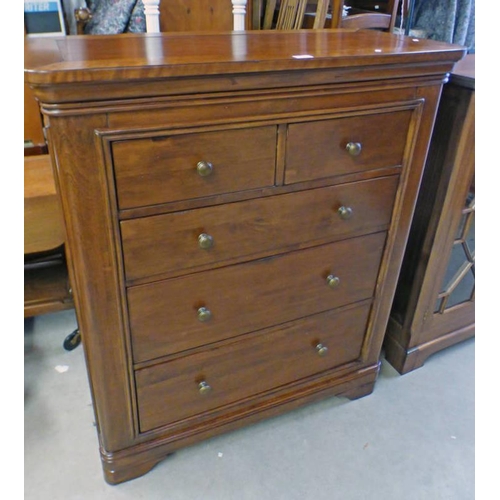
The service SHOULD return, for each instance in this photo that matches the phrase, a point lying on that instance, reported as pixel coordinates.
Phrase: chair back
(360, 17)
(291, 14)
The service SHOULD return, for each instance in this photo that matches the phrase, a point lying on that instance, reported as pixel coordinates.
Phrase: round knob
(204, 168)
(345, 212)
(204, 314)
(353, 148)
(333, 281)
(321, 349)
(205, 241)
(83, 14)
(204, 387)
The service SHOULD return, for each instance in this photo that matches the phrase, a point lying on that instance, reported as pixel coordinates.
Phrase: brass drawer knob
(321, 350)
(353, 148)
(204, 314)
(204, 168)
(205, 241)
(345, 212)
(333, 281)
(204, 388)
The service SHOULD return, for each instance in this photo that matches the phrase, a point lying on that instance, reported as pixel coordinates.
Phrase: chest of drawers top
(54, 64)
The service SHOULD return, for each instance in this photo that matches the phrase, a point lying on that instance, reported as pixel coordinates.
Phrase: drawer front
(182, 313)
(319, 149)
(208, 236)
(171, 391)
(164, 169)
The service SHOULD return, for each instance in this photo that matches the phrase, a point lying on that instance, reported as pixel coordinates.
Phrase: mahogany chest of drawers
(236, 208)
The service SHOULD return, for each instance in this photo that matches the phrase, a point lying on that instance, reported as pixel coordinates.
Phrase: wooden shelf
(46, 288)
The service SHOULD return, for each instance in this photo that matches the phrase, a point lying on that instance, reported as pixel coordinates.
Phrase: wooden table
(43, 222)
(46, 282)
(237, 207)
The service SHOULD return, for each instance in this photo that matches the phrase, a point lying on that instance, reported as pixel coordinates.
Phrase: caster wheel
(72, 340)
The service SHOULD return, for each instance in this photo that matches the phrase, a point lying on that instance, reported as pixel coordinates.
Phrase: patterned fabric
(450, 21)
(110, 17)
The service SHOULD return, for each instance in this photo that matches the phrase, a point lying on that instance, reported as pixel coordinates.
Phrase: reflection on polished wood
(123, 57)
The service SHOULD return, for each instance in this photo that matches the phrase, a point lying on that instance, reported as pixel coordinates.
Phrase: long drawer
(211, 236)
(201, 382)
(190, 311)
(328, 148)
(158, 170)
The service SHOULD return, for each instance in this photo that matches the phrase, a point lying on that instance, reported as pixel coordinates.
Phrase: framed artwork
(44, 18)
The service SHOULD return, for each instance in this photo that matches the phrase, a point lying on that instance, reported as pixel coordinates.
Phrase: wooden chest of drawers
(236, 209)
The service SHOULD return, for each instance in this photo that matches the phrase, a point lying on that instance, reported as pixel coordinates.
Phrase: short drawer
(191, 311)
(342, 146)
(176, 167)
(210, 236)
(201, 382)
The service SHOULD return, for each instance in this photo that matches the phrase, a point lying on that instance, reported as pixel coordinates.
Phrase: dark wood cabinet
(434, 305)
(237, 207)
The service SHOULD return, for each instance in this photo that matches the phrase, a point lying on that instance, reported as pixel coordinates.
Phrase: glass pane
(438, 305)
(460, 230)
(471, 198)
(463, 292)
(458, 282)
(470, 238)
(457, 259)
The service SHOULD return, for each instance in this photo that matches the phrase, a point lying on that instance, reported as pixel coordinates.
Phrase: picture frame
(44, 18)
